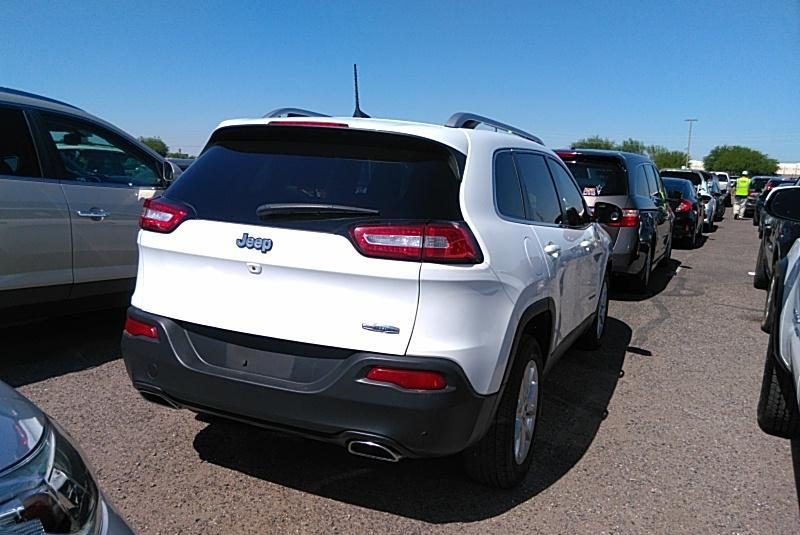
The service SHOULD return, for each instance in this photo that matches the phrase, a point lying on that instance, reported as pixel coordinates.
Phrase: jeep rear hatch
(305, 233)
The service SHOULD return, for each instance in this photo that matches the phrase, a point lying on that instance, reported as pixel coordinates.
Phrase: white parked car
(779, 405)
(396, 288)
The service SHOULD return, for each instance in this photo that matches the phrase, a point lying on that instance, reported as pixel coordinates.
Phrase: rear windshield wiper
(290, 210)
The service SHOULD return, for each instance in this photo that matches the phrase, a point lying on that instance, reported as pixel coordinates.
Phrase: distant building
(789, 169)
(784, 168)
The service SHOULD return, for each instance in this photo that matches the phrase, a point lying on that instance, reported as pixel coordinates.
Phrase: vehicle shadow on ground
(622, 289)
(38, 351)
(576, 395)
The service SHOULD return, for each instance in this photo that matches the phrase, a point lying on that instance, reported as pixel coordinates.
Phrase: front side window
(89, 153)
(570, 196)
(541, 199)
(17, 153)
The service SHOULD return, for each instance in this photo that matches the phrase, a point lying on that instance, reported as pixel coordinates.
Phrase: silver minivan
(71, 193)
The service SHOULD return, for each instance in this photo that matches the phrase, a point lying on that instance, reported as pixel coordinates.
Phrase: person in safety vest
(740, 195)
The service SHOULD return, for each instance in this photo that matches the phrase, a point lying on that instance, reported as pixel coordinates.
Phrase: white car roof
(457, 138)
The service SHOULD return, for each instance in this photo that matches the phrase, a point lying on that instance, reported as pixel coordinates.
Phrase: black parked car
(776, 241)
(757, 185)
(643, 235)
(688, 210)
(772, 183)
(45, 485)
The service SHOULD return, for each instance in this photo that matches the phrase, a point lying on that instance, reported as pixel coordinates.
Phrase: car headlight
(51, 491)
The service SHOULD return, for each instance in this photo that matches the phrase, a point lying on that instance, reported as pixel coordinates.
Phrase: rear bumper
(627, 257)
(684, 226)
(318, 392)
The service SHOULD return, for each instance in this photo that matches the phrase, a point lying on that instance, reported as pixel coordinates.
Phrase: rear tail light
(135, 327)
(409, 379)
(566, 155)
(684, 206)
(432, 242)
(161, 215)
(630, 218)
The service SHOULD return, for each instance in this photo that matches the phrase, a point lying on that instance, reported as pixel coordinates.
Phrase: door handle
(552, 249)
(98, 214)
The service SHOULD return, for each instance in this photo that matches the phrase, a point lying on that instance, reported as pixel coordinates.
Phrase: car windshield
(598, 176)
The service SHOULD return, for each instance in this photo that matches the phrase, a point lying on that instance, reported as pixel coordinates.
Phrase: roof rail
(19, 93)
(470, 120)
(294, 112)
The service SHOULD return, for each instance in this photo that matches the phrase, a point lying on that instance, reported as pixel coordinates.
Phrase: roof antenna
(357, 112)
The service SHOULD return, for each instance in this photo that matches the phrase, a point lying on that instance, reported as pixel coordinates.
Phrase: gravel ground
(655, 433)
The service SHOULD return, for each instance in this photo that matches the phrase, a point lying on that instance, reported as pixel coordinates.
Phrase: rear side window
(571, 200)
(243, 168)
(507, 188)
(597, 176)
(17, 154)
(652, 183)
(541, 199)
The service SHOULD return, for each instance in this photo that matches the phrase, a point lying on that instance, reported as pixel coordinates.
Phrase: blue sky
(563, 70)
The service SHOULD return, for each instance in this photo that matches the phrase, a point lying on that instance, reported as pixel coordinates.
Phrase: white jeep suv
(393, 287)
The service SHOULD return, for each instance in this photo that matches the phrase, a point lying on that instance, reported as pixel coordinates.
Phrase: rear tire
(778, 414)
(593, 336)
(667, 255)
(496, 460)
(641, 282)
(761, 279)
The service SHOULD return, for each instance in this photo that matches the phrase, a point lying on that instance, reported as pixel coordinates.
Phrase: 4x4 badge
(249, 242)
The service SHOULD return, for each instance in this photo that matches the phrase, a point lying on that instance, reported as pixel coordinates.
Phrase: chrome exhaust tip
(372, 450)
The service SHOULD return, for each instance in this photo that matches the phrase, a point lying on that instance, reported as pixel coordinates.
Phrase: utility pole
(689, 144)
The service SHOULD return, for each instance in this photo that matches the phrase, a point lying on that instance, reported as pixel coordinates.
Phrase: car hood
(22, 425)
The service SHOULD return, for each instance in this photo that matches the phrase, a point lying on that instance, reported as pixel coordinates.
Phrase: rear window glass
(245, 167)
(694, 178)
(678, 185)
(599, 176)
(757, 184)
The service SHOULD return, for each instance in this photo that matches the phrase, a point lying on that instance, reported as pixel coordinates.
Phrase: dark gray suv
(642, 234)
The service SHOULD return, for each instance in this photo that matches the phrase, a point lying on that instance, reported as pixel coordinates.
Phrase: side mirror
(171, 172)
(784, 203)
(607, 213)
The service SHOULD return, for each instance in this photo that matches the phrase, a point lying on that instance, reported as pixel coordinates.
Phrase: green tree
(665, 158)
(736, 159)
(155, 143)
(593, 142)
(632, 145)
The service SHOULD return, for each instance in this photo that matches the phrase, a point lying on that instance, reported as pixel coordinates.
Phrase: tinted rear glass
(598, 176)
(245, 167)
(757, 184)
(672, 184)
(694, 178)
